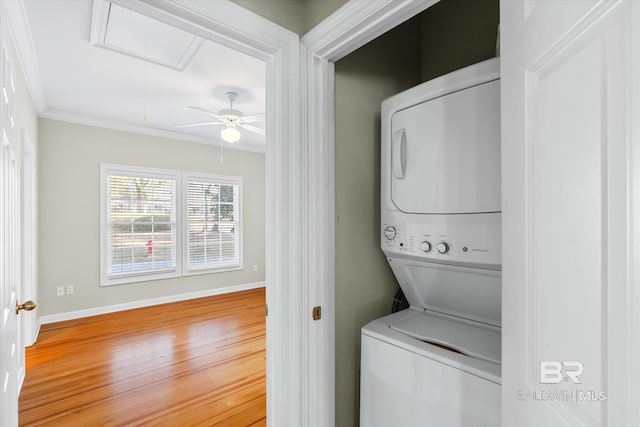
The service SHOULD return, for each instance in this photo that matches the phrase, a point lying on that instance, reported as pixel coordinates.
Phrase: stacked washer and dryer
(438, 362)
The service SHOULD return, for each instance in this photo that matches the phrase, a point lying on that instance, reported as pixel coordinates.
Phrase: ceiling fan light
(230, 134)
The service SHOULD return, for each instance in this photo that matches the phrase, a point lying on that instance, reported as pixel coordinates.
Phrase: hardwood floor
(193, 363)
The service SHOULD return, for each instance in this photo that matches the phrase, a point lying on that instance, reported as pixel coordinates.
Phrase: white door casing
(29, 240)
(347, 29)
(569, 163)
(233, 26)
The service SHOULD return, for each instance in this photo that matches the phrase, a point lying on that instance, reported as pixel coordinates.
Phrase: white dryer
(438, 362)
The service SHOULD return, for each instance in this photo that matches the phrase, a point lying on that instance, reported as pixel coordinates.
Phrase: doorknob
(28, 305)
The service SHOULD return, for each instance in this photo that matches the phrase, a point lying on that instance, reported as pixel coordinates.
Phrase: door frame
(235, 27)
(29, 235)
(346, 30)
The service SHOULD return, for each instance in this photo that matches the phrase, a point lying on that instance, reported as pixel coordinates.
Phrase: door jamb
(347, 29)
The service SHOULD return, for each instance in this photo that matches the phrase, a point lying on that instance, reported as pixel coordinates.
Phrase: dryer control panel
(472, 240)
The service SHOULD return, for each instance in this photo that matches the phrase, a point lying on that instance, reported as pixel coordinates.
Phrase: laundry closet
(446, 37)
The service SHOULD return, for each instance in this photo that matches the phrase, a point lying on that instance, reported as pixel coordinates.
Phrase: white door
(11, 348)
(570, 122)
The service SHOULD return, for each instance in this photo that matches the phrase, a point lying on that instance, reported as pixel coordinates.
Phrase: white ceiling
(92, 84)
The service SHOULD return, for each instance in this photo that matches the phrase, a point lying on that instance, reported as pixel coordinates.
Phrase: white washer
(411, 377)
(438, 363)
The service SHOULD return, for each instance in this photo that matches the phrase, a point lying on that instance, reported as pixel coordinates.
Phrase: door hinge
(317, 313)
(266, 310)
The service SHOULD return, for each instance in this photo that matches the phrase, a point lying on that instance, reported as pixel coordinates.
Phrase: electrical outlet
(60, 291)
(255, 267)
(70, 290)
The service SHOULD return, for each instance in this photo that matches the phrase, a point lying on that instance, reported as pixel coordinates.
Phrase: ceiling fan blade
(252, 128)
(206, 111)
(253, 118)
(187, 125)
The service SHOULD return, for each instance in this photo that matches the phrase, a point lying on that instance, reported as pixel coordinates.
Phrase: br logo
(554, 372)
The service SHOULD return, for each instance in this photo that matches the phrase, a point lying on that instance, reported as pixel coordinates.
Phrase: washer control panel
(468, 239)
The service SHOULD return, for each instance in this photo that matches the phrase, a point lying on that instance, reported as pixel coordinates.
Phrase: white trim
(99, 20)
(215, 179)
(29, 212)
(106, 279)
(349, 28)
(78, 314)
(358, 22)
(21, 33)
(143, 130)
(37, 330)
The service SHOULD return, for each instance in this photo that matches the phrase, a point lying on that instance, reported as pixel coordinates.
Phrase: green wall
(298, 16)
(458, 33)
(365, 284)
(286, 13)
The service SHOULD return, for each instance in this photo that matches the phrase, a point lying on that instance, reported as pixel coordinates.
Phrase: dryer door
(446, 153)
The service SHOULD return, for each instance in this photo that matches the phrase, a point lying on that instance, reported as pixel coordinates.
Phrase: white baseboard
(70, 315)
(36, 332)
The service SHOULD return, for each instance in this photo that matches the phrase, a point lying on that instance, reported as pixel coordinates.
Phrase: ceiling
(107, 66)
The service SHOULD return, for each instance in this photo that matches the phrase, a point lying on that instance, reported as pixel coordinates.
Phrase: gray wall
(298, 16)
(69, 211)
(286, 13)
(315, 11)
(448, 36)
(365, 284)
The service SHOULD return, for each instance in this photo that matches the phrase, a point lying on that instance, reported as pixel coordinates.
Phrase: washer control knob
(443, 247)
(390, 232)
(425, 246)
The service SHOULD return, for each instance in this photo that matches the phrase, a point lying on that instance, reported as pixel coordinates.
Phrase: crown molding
(79, 119)
(358, 22)
(99, 19)
(21, 34)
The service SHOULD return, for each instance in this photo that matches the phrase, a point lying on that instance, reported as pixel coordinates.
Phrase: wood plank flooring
(192, 363)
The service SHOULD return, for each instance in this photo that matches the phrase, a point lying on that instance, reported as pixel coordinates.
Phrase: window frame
(108, 169)
(181, 179)
(214, 179)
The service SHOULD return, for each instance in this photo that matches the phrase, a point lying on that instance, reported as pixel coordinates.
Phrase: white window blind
(140, 220)
(212, 222)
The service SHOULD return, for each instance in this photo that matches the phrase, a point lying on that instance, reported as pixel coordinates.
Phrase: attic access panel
(122, 30)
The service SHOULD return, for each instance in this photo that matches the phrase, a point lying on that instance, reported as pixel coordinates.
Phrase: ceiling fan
(231, 120)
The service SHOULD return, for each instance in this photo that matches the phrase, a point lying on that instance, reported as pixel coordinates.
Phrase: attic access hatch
(122, 30)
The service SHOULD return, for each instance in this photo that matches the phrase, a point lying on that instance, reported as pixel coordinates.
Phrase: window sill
(135, 278)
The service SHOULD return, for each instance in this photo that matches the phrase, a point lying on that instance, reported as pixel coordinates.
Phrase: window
(212, 222)
(159, 223)
(139, 224)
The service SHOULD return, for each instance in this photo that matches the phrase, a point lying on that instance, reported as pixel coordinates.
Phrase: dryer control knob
(443, 247)
(390, 232)
(425, 246)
